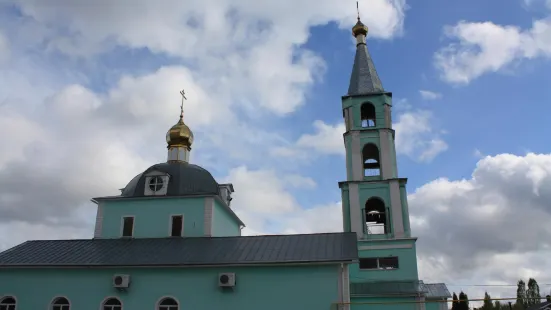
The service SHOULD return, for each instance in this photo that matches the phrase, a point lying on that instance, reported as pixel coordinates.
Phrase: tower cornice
(401, 181)
(388, 93)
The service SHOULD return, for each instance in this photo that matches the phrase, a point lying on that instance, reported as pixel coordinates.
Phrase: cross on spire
(183, 94)
(358, 9)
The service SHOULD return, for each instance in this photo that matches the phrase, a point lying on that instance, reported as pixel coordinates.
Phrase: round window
(155, 183)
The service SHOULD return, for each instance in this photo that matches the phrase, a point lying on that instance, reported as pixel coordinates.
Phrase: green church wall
(355, 104)
(267, 288)
(407, 262)
(405, 209)
(152, 216)
(223, 224)
(346, 210)
(383, 303)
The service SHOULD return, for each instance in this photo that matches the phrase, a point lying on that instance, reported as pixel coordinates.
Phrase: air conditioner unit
(121, 281)
(226, 280)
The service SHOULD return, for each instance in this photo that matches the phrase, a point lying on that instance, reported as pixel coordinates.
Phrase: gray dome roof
(185, 179)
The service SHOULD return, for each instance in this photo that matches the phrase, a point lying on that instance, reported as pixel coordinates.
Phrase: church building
(171, 240)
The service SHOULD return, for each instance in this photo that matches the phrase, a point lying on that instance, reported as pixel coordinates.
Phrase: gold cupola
(179, 135)
(359, 29)
(179, 138)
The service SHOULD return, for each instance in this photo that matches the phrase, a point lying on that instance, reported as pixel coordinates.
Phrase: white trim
(340, 284)
(122, 225)
(99, 221)
(208, 216)
(164, 297)
(385, 247)
(346, 286)
(170, 222)
(12, 296)
(51, 304)
(110, 297)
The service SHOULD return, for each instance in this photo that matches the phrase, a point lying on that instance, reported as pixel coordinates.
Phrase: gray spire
(364, 79)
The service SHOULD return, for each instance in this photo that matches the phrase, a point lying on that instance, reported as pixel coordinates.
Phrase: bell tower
(374, 198)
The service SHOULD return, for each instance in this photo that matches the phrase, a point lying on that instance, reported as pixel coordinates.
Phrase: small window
(128, 226)
(368, 263)
(7, 303)
(177, 225)
(156, 183)
(61, 303)
(168, 304)
(112, 304)
(382, 263)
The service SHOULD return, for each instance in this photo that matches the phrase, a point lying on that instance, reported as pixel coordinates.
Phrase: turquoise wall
(366, 191)
(152, 216)
(378, 101)
(267, 288)
(389, 303)
(223, 223)
(407, 261)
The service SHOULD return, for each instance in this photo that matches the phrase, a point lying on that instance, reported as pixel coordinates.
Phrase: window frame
(158, 185)
(377, 259)
(158, 304)
(133, 225)
(9, 306)
(171, 222)
(106, 299)
(61, 306)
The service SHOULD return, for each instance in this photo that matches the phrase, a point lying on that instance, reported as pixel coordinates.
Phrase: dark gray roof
(436, 290)
(185, 179)
(364, 79)
(330, 247)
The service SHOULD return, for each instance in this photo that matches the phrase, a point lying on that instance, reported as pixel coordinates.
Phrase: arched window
(368, 115)
(61, 303)
(168, 304)
(375, 217)
(370, 155)
(8, 303)
(112, 304)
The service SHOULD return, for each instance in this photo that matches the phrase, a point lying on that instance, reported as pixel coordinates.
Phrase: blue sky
(93, 91)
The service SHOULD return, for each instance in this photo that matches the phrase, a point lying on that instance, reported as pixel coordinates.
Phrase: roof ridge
(203, 237)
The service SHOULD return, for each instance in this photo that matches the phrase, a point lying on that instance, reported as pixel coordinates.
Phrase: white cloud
(327, 139)
(481, 47)
(4, 48)
(429, 95)
(247, 49)
(416, 136)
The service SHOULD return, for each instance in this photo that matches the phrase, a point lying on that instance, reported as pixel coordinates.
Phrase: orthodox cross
(358, 9)
(182, 105)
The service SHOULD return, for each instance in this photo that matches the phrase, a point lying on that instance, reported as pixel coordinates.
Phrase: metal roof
(190, 251)
(185, 179)
(364, 79)
(436, 290)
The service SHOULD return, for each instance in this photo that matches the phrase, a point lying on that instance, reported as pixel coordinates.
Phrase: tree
(497, 305)
(487, 305)
(533, 296)
(521, 295)
(463, 301)
(455, 302)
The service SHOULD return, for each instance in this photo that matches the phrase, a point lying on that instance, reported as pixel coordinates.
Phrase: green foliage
(521, 296)
(487, 305)
(463, 301)
(455, 302)
(533, 296)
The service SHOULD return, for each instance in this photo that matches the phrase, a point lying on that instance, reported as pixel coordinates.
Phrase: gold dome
(359, 28)
(179, 135)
